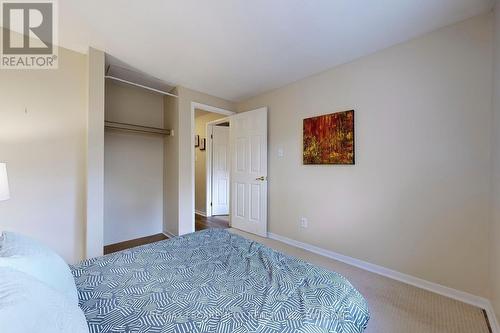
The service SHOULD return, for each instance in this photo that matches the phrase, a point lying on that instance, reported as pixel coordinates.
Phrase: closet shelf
(138, 128)
(140, 86)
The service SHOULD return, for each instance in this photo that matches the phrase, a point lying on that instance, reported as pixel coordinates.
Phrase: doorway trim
(209, 108)
(209, 161)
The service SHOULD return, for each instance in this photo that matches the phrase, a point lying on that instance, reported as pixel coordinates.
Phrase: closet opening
(134, 148)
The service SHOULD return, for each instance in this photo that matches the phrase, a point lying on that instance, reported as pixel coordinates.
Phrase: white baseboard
(200, 212)
(492, 317)
(168, 234)
(458, 295)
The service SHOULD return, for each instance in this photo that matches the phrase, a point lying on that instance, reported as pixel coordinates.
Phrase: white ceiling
(236, 49)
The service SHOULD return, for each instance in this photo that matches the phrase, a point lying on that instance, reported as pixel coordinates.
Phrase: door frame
(209, 108)
(209, 163)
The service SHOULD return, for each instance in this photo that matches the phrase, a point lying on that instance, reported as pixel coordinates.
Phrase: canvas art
(329, 139)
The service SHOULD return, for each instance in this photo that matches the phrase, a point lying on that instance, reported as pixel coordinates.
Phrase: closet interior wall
(133, 164)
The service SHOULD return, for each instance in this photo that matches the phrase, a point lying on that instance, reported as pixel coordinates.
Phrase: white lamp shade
(4, 183)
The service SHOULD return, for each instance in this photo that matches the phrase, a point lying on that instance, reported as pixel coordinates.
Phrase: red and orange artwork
(329, 139)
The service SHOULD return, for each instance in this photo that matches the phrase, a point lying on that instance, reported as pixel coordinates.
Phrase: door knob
(261, 178)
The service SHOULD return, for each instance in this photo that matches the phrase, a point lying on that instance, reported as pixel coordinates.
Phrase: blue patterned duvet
(214, 281)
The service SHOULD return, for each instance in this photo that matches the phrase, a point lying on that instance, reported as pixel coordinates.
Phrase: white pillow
(31, 257)
(27, 305)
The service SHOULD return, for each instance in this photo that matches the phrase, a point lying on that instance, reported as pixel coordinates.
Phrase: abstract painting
(329, 139)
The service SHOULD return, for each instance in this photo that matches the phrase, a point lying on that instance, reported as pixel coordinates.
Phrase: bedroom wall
(95, 155)
(200, 163)
(417, 200)
(43, 140)
(171, 166)
(179, 178)
(495, 226)
(133, 165)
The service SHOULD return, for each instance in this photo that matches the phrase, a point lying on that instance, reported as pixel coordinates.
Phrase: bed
(214, 281)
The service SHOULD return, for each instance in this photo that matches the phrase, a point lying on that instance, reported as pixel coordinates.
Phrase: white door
(248, 140)
(220, 170)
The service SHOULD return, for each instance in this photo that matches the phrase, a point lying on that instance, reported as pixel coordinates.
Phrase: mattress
(214, 281)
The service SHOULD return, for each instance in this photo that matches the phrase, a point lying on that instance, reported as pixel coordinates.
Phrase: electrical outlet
(281, 152)
(303, 222)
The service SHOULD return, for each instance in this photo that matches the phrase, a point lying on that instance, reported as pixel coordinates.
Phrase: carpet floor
(395, 307)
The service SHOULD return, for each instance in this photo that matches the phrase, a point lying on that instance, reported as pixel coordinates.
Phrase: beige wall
(133, 165)
(200, 173)
(495, 227)
(129, 104)
(180, 170)
(171, 166)
(417, 200)
(95, 155)
(43, 121)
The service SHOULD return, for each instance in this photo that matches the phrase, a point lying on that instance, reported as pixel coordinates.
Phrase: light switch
(304, 223)
(281, 152)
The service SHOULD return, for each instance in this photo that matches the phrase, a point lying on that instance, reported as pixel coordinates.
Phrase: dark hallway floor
(202, 222)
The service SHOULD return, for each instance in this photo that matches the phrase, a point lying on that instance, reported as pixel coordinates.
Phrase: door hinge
(210, 204)
(211, 136)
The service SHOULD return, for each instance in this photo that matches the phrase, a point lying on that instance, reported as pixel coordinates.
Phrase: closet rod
(140, 85)
(138, 128)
